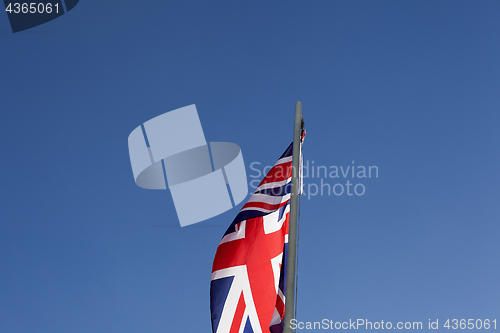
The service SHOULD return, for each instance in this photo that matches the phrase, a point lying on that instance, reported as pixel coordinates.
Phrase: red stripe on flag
(278, 173)
(264, 205)
(238, 315)
(280, 306)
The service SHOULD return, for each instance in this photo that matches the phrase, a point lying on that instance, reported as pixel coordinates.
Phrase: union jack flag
(247, 292)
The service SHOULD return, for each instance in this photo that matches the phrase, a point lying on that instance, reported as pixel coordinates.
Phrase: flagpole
(292, 233)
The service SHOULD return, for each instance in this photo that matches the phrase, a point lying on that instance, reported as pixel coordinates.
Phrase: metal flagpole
(292, 232)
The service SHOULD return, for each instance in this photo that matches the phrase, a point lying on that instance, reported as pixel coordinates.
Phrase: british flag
(247, 292)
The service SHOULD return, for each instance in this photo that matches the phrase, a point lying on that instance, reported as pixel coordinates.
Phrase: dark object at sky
(34, 14)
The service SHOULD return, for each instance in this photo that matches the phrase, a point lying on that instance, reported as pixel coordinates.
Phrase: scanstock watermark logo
(205, 180)
(25, 15)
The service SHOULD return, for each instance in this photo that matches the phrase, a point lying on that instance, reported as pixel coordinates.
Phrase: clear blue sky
(411, 87)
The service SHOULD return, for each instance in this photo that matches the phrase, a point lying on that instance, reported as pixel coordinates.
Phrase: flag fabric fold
(247, 291)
